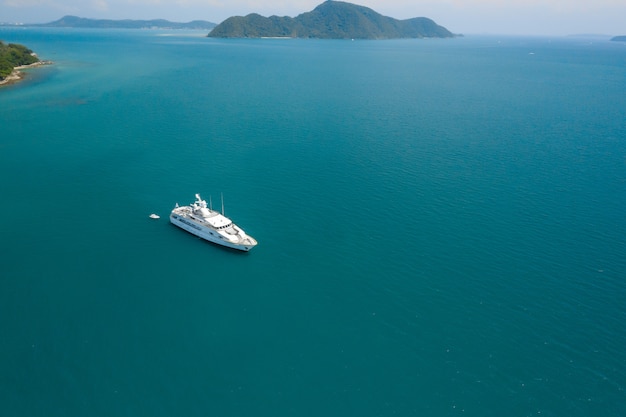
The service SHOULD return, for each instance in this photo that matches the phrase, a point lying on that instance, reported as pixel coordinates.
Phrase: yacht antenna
(222, 194)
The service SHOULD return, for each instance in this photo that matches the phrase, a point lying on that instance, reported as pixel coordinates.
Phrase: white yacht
(211, 225)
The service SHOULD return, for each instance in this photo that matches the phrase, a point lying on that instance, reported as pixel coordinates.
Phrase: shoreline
(17, 75)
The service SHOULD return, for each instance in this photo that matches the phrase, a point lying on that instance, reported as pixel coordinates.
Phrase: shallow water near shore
(440, 222)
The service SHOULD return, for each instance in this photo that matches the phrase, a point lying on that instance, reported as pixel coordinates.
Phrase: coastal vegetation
(330, 20)
(14, 55)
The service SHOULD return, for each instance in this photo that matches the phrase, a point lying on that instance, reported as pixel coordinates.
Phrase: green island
(330, 20)
(81, 22)
(13, 57)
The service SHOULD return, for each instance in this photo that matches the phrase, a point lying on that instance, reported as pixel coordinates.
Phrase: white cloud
(42, 5)
(100, 5)
(26, 3)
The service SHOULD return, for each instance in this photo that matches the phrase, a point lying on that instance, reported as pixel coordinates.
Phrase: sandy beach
(18, 75)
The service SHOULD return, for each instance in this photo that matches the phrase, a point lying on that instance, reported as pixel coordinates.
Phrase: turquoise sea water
(441, 227)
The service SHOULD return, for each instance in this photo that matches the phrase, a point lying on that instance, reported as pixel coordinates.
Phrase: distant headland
(81, 22)
(619, 38)
(13, 58)
(330, 20)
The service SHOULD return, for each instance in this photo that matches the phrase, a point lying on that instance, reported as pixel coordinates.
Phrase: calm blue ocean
(441, 227)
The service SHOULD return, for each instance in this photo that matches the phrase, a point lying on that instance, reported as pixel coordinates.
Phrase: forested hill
(330, 20)
(81, 22)
(13, 55)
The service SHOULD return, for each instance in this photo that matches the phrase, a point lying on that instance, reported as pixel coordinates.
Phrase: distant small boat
(155, 216)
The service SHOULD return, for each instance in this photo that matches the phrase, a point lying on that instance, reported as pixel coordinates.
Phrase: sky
(515, 17)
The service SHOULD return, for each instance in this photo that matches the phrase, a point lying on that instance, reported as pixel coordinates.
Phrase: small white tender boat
(155, 216)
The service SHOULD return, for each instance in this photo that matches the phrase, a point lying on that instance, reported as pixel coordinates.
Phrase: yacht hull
(207, 233)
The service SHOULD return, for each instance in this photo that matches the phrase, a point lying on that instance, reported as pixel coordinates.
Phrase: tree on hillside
(13, 55)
